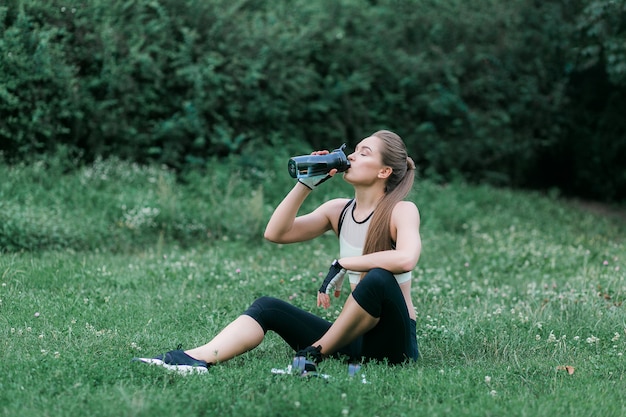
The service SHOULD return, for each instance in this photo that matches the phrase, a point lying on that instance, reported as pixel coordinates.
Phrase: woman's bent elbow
(409, 263)
(270, 237)
(274, 237)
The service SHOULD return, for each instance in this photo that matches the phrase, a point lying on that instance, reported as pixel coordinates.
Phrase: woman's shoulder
(332, 210)
(405, 205)
(336, 204)
(405, 208)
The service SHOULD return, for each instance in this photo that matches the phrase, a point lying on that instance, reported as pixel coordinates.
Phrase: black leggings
(392, 339)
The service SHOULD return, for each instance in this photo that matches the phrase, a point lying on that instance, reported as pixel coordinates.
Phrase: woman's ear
(385, 172)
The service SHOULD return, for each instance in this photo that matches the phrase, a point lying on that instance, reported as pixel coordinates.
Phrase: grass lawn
(519, 300)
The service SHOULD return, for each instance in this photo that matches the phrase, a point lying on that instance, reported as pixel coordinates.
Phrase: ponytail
(398, 186)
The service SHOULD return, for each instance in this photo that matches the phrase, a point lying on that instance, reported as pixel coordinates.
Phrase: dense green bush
(486, 90)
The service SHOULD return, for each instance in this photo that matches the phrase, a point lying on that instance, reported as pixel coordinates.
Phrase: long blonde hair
(398, 186)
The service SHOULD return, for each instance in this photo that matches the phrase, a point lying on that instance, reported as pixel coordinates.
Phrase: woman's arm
(405, 223)
(286, 227)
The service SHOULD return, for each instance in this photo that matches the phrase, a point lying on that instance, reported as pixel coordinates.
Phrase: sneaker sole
(182, 369)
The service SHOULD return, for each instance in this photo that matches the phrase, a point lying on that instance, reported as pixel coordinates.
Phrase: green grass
(510, 287)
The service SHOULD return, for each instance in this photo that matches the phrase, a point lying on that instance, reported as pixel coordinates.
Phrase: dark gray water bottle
(314, 165)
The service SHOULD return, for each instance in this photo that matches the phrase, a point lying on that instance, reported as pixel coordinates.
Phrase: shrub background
(519, 93)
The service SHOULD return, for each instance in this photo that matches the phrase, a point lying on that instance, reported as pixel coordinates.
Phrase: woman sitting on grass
(379, 247)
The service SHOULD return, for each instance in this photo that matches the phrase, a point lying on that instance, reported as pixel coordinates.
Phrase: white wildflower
(551, 338)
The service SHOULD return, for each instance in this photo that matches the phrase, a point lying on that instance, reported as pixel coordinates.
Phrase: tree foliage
(517, 93)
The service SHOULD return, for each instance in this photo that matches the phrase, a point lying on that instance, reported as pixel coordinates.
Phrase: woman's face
(366, 166)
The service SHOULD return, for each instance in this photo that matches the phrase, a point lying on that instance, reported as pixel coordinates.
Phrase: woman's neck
(367, 199)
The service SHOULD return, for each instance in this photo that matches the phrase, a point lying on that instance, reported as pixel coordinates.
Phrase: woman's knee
(370, 292)
(259, 306)
(378, 277)
(264, 301)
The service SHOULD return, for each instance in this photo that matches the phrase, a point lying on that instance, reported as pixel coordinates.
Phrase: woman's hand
(332, 282)
(323, 300)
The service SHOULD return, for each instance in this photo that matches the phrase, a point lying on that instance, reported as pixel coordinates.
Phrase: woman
(379, 247)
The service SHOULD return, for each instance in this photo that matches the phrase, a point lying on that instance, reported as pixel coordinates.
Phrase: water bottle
(315, 165)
